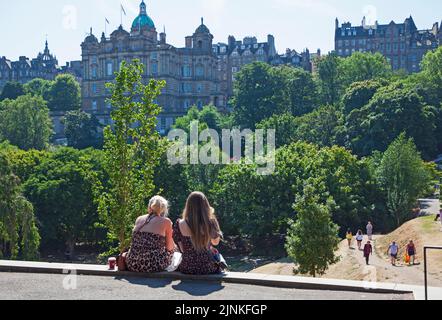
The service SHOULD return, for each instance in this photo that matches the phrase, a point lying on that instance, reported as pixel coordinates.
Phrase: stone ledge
(229, 277)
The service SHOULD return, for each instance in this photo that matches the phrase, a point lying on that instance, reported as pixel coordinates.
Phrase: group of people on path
(367, 248)
(155, 239)
(410, 253)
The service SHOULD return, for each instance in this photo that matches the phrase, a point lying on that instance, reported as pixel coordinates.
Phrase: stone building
(44, 66)
(191, 73)
(304, 60)
(401, 43)
(236, 54)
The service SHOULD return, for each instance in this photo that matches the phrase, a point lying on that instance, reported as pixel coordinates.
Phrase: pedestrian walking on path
(411, 251)
(368, 250)
(393, 250)
(359, 238)
(370, 230)
(349, 237)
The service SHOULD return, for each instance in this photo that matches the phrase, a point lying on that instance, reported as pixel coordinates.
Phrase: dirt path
(352, 263)
(380, 268)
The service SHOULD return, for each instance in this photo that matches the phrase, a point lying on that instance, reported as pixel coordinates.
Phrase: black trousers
(367, 258)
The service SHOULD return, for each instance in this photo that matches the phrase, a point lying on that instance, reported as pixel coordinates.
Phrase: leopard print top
(148, 253)
(194, 262)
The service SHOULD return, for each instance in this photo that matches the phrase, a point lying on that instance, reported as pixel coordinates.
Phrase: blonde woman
(196, 234)
(152, 242)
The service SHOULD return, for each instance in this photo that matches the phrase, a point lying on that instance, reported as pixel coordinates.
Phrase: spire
(143, 10)
(202, 21)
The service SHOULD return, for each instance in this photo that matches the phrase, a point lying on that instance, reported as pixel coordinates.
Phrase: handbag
(177, 258)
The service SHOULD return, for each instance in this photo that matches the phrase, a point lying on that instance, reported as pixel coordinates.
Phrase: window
(223, 49)
(200, 104)
(94, 88)
(109, 69)
(94, 72)
(186, 71)
(186, 104)
(94, 105)
(154, 55)
(199, 88)
(199, 71)
(154, 68)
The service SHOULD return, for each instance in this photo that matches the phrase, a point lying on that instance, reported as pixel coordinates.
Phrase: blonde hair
(201, 219)
(159, 206)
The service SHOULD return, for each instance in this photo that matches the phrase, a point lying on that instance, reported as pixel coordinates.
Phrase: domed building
(191, 73)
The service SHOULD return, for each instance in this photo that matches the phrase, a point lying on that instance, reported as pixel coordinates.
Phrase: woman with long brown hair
(196, 234)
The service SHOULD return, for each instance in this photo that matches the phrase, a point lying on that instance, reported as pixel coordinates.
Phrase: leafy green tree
(17, 222)
(313, 239)
(302, 89)
(81, 129)
(431, 76)
(38, 87)
(324, 127)
(64, 94)
(328, 78)
(259, 92)
(286, 126)
(12, 90)
(362, 67)
(132, 151)
(403, 177)
(208, 117)
(61, 191)
(25, 122)
(392, 110)
(359, 94)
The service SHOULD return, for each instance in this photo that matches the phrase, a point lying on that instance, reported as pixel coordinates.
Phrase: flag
(124, 11)
(107, 21)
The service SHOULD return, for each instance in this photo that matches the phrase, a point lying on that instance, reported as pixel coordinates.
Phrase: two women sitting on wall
(155, 238)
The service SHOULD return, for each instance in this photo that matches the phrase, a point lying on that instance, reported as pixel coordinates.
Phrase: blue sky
(297, 24)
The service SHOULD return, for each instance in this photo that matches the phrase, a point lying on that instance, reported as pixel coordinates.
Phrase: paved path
(44, 286)
(430, 207)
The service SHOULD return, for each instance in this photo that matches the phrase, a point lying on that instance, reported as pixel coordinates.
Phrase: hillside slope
(352, 265)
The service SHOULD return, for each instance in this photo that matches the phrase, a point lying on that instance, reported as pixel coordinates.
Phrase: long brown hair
(201, 219)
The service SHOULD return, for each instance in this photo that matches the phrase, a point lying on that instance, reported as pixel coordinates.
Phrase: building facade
(191, 73)
(235, 54)
(401, 43)
(44, 66)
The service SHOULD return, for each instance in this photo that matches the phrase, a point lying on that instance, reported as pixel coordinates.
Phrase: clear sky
(296, 24)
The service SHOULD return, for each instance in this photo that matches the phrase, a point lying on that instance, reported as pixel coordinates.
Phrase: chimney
(336, 24)
(162, 38)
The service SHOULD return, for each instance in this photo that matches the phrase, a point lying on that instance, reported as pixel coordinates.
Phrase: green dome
(143, 20)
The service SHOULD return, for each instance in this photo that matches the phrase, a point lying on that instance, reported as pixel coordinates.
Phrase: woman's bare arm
(170, 244)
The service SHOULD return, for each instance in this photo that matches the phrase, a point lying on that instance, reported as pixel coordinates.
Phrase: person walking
(411, 251)
(349, 237)
(370, 230)
(393, 250)
(359, 238)
(368, 250)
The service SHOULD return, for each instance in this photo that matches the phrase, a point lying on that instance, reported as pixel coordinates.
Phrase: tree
(17, 222)
(328, 78)
(64, 94)
(259, 92)
(25, 122)
(431, 75)
(359, 94)
(302, 89)
(362, 67)
(286, 126)
(312, 240)
(132, 151)
(81, 129)
(12, 90)
(61, 190)
(403, 177)
(38, 87)
(323, 127)
(392, 110)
